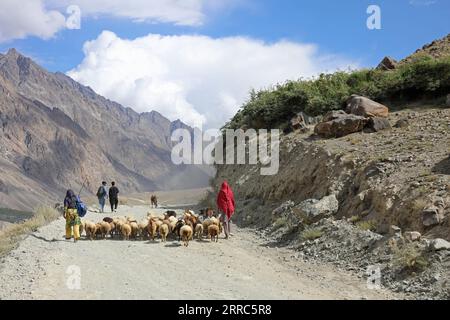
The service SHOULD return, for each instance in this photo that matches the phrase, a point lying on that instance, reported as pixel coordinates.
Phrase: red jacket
(225, 200)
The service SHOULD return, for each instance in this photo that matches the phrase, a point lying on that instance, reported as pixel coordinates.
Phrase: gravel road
(45, 266)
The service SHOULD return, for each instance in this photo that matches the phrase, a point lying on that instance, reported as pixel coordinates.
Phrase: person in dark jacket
(73, 221)
(113, 197)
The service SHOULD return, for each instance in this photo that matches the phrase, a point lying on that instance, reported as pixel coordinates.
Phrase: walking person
(73, 221)
(226, 205)
(102, 194)
(113, 197)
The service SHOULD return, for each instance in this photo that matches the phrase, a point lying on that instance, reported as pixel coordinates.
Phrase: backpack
(101, 192)
(81, 208)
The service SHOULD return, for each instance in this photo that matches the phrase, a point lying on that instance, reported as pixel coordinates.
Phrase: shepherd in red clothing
(225, 203)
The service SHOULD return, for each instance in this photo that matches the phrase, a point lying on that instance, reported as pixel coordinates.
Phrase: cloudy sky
(196, 60)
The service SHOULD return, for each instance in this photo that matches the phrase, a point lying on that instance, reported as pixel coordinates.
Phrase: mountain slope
(55, 134)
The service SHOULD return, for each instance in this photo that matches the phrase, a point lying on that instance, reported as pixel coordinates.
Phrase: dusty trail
(242, 268)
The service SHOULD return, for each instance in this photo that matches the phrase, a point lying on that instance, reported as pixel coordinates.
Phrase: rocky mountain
(437, 49)
(56, 133)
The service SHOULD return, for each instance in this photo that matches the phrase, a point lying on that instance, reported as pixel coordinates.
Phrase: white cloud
(44, 18)
(193, 78)
(19, 19)
(179, 12)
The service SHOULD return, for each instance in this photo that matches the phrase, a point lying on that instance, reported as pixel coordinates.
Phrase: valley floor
(45, 266)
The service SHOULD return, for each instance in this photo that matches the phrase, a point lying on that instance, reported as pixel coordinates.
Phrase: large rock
(313, 210)
(377, 124)
(432, 216)
(413, 236)
(298, 123)
(362, 106)
(387, 63)
(439, 244)
(342, 125)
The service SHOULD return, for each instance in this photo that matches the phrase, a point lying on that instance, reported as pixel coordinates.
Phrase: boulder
(333, 115)
(313, 210)
(362, 106)
(387, 63)
(413, 236)
(377, 124)
(395, 231)
(402, 123)
(432, 216)
(298, 123)
(439, 245)
(343, 125)
(283, 208)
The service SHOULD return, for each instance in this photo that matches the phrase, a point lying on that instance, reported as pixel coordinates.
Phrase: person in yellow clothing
(73, 221)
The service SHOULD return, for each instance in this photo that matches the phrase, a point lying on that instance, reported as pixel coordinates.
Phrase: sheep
(103, 228)
(213, 233)
(126, 231)
(199, 231)
(177, 229)
(107, 219)
(152, 229)
(99, 231)
(134, 229)
(164, 231)
(143, 228)
(91, 229)
(186, 234)
(113, 231)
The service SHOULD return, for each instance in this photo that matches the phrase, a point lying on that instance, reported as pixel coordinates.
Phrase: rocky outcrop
(342, 124)
(364, 107)
(313, 210)
(377, 124)
(387, 63)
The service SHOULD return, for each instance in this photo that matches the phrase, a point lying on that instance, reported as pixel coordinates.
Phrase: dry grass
(311, 234)
(409, 258)
(12, 234)
(279, 223)
(367, 225)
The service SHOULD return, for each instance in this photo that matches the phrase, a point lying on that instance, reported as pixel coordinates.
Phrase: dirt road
(45, 266)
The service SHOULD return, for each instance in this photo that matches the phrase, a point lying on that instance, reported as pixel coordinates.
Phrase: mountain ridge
(57, 134)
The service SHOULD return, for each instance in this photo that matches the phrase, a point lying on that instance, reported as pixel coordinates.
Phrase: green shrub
(272, 107)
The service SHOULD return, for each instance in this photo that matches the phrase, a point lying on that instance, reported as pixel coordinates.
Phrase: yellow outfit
(72, 222)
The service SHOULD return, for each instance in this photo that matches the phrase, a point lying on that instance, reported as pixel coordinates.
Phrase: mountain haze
(56, 133)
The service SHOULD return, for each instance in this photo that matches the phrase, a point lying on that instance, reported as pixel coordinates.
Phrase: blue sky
(336, 26)
(230, 46)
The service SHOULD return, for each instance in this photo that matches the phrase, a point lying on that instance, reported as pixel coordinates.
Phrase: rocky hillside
(437, 49)
(358, 189)
(56, 133)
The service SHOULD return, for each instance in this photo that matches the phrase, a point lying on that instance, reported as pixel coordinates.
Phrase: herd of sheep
(126, 228)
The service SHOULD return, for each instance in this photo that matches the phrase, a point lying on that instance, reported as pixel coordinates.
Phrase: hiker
(102, 194)
(226, 205)
(154, 201)
(73, 221)
(113, 197)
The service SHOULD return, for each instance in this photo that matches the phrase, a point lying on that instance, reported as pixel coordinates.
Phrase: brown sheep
(152, 229)
(199, 231)
(126, 231)
(134, 229)
(164, 232)
(143, 229)
(213, 233)
(91, 229)
(186, 234)
(105, 229)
